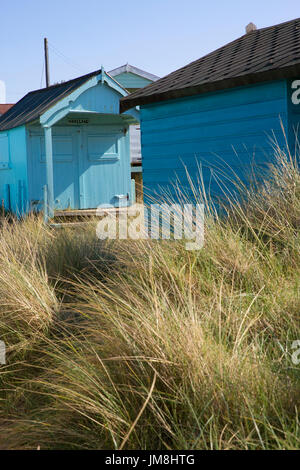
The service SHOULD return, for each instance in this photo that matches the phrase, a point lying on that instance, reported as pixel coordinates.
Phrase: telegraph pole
(46, 62)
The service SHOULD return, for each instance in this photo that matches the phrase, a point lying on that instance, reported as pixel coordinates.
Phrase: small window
(103, 147)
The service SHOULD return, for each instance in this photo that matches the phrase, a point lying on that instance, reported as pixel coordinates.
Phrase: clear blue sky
(158, 36)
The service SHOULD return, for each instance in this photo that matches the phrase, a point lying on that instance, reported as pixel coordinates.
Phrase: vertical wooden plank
(8, 197)
(133, 195)
(49, 169)
(45, 203)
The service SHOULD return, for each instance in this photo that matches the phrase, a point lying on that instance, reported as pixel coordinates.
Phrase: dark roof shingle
(264, 54)
(35, 103)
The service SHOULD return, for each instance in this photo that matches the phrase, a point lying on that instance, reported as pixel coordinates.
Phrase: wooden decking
(76, 218)
(88, 212)
(79, 217)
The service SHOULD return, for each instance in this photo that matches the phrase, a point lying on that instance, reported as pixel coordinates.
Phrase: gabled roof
(131, 69)
(264, 54)
(4, 107)
(35, 103)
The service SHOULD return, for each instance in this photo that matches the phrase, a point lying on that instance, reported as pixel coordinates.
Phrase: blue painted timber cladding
(91, 153)
(293, 90)
(232, 129)
(91, 165)
(13, 170)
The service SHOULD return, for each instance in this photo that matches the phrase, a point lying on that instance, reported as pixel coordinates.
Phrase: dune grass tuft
(144, 345)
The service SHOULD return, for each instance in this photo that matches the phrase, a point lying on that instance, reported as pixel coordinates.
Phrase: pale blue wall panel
(15, 173)
(91, 152)
(100, 99)
(91, 165)
(131, 80)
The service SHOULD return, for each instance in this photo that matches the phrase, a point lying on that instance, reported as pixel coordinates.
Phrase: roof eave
(130, 68)
(292, 71)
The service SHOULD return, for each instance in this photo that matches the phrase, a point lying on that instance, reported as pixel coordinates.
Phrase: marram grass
(144, 345)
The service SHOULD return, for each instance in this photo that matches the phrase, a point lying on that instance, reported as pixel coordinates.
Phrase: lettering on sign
(78, 121)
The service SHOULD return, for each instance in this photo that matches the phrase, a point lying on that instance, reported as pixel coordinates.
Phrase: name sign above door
(78, 121)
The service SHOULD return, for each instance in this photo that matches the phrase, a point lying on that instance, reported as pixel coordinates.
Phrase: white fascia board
(135, 70)
(62, 107)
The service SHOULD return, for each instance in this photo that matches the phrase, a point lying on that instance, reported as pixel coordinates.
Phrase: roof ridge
(67, 82)
(233, 64)
(191, 63)
(220, 48)
(127, 68)
(278, 24)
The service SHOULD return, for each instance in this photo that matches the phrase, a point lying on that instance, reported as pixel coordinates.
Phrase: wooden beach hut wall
(71, 140)
(222, 112)
(133, 78)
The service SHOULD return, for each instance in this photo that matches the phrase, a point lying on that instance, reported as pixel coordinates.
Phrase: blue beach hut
(222, 110)
(67, 143)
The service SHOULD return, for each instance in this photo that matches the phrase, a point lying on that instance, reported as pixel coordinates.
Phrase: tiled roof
(263, 54)
(5, 107)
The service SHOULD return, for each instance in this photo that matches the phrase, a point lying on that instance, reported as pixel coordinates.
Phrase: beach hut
(67, 147)
(222, 112)
(132, 78)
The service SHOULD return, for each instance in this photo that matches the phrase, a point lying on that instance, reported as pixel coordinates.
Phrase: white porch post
(49, 169)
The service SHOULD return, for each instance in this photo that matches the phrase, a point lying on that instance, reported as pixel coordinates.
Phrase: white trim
(130, 68)
(64, 106)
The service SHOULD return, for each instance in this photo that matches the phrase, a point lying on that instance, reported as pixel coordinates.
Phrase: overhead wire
(65, 58)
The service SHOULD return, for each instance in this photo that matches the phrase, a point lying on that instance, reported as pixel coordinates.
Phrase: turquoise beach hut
(67, 146)
(222, 111)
